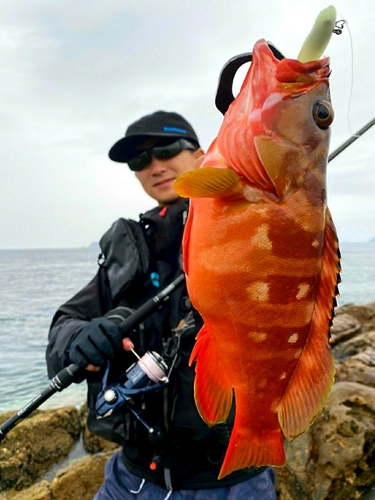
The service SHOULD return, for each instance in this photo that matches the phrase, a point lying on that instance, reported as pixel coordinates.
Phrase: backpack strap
(126, 255)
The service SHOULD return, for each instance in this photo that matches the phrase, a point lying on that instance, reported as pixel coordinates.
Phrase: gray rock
(360, 368)
(344, 327)
(335, 459)
(364, 314)
(353, 346)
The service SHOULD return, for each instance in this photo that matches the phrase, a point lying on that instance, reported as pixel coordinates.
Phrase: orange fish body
(262, 261)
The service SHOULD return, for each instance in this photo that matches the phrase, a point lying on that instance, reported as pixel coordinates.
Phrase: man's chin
(165, 201)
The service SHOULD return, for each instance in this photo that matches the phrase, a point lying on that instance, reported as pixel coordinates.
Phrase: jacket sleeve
(126, 261)
(93, 301)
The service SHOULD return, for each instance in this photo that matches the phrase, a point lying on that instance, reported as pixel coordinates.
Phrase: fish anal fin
(208, 182)
(212, 387)
(248, 448)
(312, 380)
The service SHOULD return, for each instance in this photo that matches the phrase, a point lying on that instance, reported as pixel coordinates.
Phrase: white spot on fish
(283, 376)
(293, 338)
(252, 194)
(258, 291)
(298, 353)
(315, 243)
(303, 288)
(260, 239)
(258, 336)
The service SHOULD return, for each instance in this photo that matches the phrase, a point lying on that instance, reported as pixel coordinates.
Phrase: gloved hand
(98, 341)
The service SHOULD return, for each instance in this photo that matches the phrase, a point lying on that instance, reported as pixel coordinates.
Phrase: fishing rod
(353, 138)
(74, 373)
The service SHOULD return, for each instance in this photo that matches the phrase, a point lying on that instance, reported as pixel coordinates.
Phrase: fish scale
(261, 259)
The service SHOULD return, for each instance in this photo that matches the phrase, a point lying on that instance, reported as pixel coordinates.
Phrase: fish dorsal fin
(209, 182)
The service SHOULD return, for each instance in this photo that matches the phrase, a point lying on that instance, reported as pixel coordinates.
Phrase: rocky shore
(334, 460)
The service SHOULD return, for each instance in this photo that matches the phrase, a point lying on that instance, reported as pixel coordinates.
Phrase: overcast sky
(75, 73)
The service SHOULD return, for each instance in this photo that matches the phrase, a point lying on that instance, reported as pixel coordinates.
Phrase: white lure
(319, 37)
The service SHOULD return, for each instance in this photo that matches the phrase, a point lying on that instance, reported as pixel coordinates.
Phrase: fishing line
(339, 26)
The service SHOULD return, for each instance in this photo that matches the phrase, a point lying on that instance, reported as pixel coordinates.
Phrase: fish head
(277, 128)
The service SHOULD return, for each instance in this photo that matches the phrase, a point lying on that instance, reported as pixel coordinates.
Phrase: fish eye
(323, 114)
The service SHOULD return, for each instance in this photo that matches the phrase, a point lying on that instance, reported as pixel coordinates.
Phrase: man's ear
(198, 152)
(199, 159)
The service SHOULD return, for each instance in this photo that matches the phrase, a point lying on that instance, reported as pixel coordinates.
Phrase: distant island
(94, 246)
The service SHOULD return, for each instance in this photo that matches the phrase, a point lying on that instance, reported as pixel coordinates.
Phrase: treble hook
(339, 26)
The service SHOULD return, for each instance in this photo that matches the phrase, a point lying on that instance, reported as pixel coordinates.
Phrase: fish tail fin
(248, 448)
(212, 387)
(312, 380)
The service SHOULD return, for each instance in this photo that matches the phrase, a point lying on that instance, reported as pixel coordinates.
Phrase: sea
(34, 283)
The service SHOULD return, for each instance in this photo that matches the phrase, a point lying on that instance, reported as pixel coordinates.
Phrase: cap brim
(124, 149)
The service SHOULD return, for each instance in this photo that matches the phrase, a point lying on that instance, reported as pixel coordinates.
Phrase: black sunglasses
(141, 161)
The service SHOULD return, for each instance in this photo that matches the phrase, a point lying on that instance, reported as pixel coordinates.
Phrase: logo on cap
(174, 129)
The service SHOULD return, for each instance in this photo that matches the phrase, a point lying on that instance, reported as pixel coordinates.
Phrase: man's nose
(157, 166)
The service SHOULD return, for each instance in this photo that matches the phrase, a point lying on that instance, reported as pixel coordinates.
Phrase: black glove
(98, 341)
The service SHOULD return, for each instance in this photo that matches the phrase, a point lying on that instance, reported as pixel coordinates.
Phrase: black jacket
(139, 260)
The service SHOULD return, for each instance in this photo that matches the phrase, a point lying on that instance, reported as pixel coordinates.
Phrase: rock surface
(35, 444)
(333, 460)
(81, 480)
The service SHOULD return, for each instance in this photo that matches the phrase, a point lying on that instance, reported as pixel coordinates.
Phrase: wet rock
(38, 491)
(81, 480)
(335, 459)
(8, 414)
(35, 444)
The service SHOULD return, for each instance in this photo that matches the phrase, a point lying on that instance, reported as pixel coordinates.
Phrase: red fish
(262, 260)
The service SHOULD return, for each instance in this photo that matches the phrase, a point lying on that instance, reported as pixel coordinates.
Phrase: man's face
(158, 176)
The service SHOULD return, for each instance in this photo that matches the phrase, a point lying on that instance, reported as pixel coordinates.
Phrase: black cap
(158, 124)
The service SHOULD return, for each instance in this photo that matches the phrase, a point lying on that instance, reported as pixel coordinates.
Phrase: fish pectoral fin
(212, 387)
(277, 159)
(208, 182)
(312, 380)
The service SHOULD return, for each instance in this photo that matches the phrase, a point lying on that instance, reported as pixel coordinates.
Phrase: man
(167, 449)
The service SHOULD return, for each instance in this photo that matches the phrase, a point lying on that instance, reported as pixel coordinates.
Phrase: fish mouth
(224, 94)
